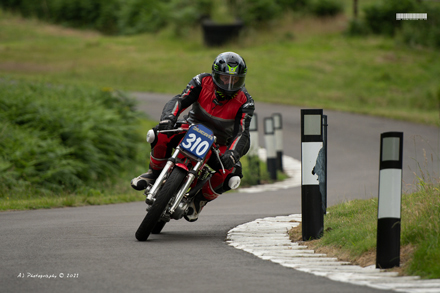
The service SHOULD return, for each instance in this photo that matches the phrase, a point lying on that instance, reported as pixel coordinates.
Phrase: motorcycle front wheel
(160, 204)
(158, 227)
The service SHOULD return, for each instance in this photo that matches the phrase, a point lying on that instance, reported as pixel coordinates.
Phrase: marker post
(390, 198)
(323, 181)
(253, 158)
(269, 136)
(311, 201)
(278, 126)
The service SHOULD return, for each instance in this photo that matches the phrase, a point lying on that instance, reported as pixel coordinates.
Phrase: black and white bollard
(390, 198)
(253, 158)
(269, 138)
(253, 132)
(323, 180)
(278, 125)
(311, 148)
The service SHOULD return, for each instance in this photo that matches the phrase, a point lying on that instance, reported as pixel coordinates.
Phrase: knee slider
(233, 180)
(151, 136)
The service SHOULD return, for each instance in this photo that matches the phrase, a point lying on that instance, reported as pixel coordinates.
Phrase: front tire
(158, 227)
(164, 196)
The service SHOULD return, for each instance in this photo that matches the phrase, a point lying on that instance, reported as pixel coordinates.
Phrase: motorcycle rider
(219, 101)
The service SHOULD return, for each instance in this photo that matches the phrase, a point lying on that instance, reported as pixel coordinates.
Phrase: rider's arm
(241, 142)
(179, 103)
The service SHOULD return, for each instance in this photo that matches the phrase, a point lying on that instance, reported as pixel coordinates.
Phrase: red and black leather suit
(228, 118)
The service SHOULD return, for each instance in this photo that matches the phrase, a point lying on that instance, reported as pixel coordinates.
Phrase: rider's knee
(231, 181)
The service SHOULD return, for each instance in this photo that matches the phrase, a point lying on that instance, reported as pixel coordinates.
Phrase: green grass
(117, 190)
(304, 61)
(351, 231)
(89, 196)
(67, 145)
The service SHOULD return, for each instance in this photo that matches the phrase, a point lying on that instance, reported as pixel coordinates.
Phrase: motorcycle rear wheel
(152, 218)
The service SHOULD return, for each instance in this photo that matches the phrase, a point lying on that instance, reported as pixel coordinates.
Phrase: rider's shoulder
(247, 95)
(199, 77)
(249, 100)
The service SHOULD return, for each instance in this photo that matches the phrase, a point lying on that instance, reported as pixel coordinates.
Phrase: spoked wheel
(164, 196)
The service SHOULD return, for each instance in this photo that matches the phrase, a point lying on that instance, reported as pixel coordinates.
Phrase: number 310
(193, 142)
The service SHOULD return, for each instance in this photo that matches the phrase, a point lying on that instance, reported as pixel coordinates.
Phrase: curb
(267, 239)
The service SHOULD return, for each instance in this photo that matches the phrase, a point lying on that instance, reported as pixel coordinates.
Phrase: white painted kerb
(267, 239)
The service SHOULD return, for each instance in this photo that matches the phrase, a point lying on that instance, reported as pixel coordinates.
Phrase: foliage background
(63, 138)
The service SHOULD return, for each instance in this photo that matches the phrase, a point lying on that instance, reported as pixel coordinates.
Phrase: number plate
(197, 141)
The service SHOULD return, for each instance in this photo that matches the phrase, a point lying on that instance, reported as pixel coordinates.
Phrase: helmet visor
(229, 82)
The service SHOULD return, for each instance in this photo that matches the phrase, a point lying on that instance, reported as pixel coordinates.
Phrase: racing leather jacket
(228, 119)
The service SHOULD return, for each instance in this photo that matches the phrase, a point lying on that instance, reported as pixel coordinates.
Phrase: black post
(253, 158)
(269, 136)
(323, 185)
(311, 148)
(278, 125)
(390, 198)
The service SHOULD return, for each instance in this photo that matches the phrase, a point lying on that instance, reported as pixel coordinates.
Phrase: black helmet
(228, 73)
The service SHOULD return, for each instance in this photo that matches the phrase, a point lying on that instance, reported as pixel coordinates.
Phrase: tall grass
(63, 138)
(421, 228)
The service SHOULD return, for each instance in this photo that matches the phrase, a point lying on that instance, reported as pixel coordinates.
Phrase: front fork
(152, 192)
(184, 188)
(182, 191)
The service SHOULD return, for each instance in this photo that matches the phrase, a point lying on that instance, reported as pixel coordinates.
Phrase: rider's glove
(166, 124)
(229, 159)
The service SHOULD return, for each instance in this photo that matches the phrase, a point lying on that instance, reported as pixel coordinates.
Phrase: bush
(380, 18)
(294, 5)
(423, 32)
(183, 14)
(63, 137)
(97, 14)
(137, 16)
(257, 12)
(357, 28)
(114, 16)
(30, 158)
(326, 8)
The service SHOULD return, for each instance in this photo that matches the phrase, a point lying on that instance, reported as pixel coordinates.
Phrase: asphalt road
(93, 249)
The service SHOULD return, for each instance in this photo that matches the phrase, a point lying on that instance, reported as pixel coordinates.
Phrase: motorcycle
(183, 176)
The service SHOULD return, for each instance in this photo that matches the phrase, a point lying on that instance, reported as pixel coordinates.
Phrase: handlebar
(180, 129)
(215, 147)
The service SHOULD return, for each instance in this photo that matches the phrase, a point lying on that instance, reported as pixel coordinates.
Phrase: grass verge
(351, 229)
(30, 198)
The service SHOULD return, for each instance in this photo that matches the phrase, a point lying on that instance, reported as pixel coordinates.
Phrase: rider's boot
(196, 207)
(142, 181)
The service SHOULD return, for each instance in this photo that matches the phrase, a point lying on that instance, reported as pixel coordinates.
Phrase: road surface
(93, 249)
